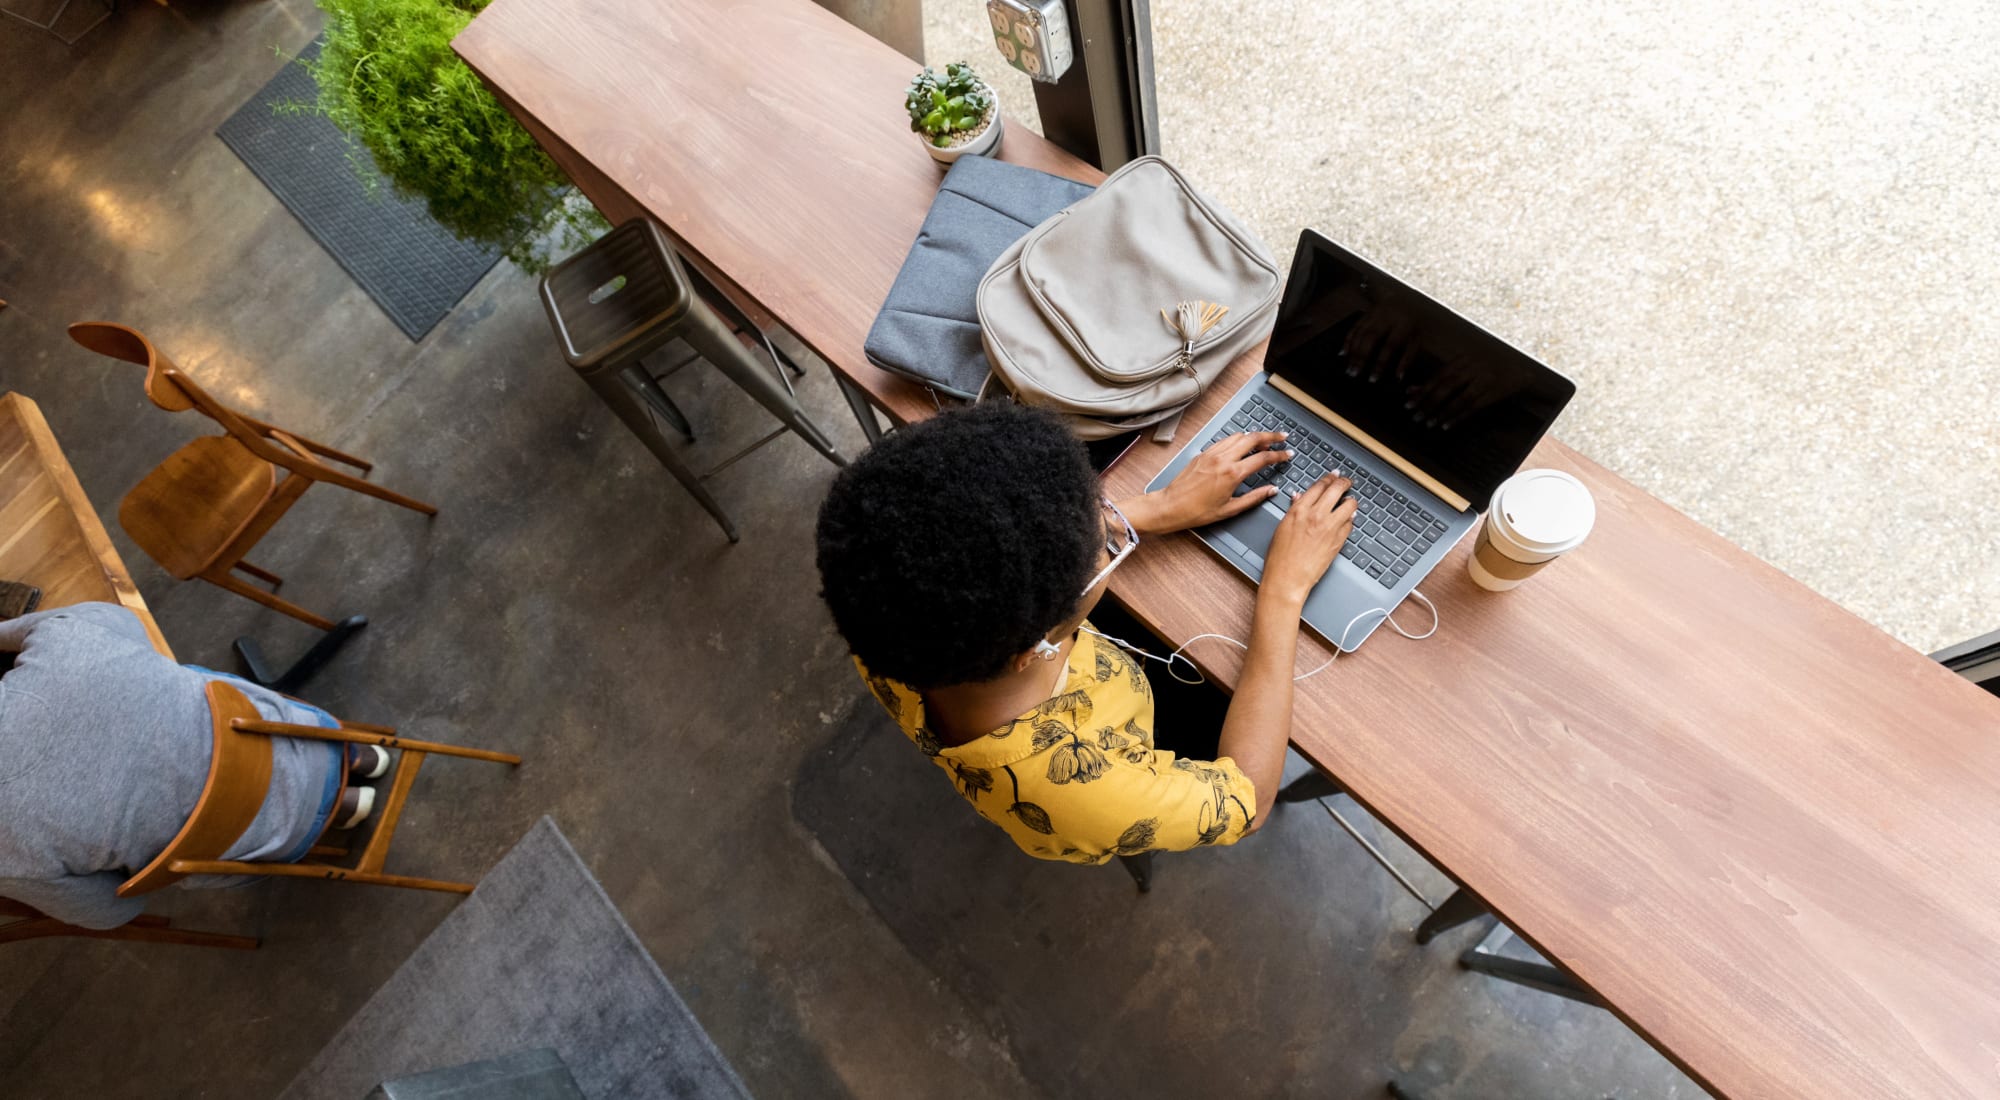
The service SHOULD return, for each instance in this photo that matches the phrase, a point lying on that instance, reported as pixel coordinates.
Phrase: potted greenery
(955, 115)
(388, 78)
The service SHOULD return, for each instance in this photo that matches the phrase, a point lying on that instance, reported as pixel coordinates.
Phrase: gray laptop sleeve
(928, 330)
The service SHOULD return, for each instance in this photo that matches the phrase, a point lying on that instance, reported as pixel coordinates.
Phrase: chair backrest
(163, 379)
(171, 389)
(239, 776)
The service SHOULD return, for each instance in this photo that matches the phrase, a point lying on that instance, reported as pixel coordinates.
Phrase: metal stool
(625, 297)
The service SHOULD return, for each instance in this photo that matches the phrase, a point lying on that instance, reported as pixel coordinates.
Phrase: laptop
(1426, 411)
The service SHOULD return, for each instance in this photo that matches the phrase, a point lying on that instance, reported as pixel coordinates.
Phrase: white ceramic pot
(985, 144)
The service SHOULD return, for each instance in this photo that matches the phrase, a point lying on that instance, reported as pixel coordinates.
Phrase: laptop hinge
(1408, 468)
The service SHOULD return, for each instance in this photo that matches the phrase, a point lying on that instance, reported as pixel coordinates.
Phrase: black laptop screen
(1428, 384)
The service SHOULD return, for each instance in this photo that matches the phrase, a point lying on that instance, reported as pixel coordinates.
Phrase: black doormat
(412, 266)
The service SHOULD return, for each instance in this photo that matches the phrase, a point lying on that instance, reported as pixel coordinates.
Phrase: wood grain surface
(1761, 829)
(684, 109)
(50, 536)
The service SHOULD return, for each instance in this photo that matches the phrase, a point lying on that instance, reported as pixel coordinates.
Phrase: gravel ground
(1760, 237)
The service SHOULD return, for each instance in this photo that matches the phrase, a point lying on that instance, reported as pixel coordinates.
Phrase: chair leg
(36, 929)
(370, 489)
(316, 447)
(144, 929)
(275, 581)
(314, 870)
(1141, 869)
(223, 578)
(325, 451)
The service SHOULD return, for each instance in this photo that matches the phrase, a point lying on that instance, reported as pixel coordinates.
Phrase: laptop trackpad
(1250, 531)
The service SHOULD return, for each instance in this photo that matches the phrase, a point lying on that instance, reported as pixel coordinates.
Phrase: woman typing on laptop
(960, 558)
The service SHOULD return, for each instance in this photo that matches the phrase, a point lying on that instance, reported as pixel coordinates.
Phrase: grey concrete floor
(839, 924)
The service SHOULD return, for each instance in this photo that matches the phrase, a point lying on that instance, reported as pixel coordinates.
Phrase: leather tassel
(1189, 321)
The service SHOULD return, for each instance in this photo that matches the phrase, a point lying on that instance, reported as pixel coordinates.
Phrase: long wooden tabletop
(1762, 830)
(50, 535)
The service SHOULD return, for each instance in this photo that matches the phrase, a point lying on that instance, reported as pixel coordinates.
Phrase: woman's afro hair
(955, 543)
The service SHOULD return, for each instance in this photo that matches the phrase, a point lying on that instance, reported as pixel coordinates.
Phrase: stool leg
(649, 388)
(864, 410)
(613, 391)
(706, 333)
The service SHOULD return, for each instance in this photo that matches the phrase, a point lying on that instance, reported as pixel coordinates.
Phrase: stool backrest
(239, 776)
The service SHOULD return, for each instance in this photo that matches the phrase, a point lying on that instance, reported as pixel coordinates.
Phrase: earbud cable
(1179, 654)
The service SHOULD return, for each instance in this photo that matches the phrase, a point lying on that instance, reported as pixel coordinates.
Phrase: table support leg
(1462, 907)
(288, 682)
(864, 410)
(1313, 784)
(1318, 786)
(1485, 958)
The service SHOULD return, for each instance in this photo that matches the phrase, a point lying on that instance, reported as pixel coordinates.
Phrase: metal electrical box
(1033, 35)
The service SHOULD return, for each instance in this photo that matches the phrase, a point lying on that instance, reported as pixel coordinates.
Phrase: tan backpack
(1121, 309)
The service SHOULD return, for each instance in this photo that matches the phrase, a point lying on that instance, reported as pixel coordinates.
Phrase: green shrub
(388, 78)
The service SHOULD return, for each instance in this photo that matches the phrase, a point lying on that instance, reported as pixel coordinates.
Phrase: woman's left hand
(1204, 492)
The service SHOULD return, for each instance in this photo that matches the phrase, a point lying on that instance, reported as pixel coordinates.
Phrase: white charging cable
(1179, 654)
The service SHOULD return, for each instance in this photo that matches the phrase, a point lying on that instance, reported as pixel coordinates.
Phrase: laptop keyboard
(1391, 531)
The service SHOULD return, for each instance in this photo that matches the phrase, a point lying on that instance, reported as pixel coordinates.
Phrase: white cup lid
(1545, 511)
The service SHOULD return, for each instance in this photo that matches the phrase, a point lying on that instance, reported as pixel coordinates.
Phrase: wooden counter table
(50, 536)
(1761, 830)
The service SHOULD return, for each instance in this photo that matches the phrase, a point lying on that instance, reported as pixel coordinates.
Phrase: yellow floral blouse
(1077, 778)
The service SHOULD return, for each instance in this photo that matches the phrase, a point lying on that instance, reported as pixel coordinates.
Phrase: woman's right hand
(1308, 539)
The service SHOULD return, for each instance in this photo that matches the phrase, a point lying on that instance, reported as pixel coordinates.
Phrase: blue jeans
(331, 793)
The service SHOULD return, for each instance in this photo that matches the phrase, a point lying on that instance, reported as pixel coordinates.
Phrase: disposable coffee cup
(1536, 517)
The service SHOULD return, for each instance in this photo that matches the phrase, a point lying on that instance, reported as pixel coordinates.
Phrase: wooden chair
(33, 924)
(239, 776)
(203, 509)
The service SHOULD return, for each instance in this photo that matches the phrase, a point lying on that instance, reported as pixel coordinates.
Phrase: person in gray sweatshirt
(104, 749)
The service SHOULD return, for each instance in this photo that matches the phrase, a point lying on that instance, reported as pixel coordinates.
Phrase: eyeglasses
(1119, 549)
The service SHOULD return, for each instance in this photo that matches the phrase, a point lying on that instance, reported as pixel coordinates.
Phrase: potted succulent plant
(955, 114)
